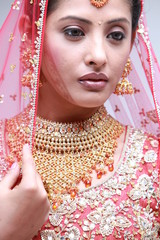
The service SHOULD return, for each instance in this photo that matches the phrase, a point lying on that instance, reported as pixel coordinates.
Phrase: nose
(96, 54)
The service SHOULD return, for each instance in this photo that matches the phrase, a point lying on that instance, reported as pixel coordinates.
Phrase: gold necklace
(67, 153)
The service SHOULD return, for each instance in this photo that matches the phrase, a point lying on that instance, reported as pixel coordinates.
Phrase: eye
(74, 33)
(117, 36)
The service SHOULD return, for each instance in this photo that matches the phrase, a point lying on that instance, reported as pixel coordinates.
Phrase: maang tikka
(98, 3)
(124, 86)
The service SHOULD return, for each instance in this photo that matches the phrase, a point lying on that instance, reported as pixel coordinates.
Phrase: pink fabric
(22, 31)
(126, 206)
(142, 110)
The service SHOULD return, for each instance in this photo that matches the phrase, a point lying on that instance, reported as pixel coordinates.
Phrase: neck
(54, 108)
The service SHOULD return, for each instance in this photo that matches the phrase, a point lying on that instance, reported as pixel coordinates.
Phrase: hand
(25, 207)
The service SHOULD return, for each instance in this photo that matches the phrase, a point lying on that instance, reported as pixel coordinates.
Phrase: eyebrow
(116, 20)
(76, 18)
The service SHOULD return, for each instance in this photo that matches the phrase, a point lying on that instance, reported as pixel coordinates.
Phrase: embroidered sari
(125, 206)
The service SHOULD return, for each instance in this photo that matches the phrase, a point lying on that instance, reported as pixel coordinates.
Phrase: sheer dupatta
(142, 109)
(21, 39)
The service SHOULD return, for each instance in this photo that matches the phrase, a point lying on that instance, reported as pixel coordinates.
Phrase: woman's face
(85, 50)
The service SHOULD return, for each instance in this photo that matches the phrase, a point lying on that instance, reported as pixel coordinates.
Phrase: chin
(91, 104)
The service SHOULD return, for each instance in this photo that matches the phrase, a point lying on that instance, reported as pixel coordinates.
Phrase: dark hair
(136, 8)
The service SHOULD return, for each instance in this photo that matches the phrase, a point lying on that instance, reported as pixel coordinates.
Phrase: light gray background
(152, 9)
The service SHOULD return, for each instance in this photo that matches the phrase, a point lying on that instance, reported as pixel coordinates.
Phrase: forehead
(84, 8)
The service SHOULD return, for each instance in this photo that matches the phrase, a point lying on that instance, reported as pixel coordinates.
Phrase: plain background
(152, 9)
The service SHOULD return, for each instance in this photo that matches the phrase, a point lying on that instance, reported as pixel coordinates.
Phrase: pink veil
(141, 110)
(21, 40)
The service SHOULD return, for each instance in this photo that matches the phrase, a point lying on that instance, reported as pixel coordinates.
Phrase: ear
(25, 27)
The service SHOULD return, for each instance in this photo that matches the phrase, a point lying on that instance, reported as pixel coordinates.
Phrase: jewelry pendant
(98, 3)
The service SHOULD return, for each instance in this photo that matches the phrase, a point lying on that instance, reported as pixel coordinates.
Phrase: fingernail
(14, 165)
(26, 148)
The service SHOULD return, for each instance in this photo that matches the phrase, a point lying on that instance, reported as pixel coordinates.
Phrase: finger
(42, 187)
(11, 177)
(45, 195)
(28, 167)
(40, 182)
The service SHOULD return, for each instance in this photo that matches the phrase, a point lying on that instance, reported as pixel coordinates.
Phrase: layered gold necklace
(66, 154)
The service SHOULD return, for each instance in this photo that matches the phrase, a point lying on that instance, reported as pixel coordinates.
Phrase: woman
(101, 178)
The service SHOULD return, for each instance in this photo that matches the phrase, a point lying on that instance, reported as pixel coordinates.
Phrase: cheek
(119, 66)
(53, 70)
(53, 62)
(51, 55)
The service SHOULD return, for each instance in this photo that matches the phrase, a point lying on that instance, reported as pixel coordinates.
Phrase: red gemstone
(73, 194)
(87, 183)
(55, 206)
(110, 167)
(99, 174)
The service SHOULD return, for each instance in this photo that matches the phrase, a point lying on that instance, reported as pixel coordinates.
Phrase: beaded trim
(38, 47)
(3, 164)
(144, 34)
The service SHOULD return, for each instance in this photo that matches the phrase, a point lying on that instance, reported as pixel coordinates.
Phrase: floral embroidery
(143, 189)
(16, 5)
(1, 98)
(124, 207)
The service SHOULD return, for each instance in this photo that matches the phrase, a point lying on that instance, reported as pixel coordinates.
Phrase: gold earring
(98, 3)
(124, 86)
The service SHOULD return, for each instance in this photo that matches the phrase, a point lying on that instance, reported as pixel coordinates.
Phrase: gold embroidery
(24, 95)
(38, 24)
(12, 67)
(16, 5)
(11, 38)
(24, 37)
(1, 98)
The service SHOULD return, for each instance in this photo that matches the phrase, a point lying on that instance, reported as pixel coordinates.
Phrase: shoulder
(145, 147)
(143, 164)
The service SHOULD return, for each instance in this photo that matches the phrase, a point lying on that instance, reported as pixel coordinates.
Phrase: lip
(94, 81)
(94, 77)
